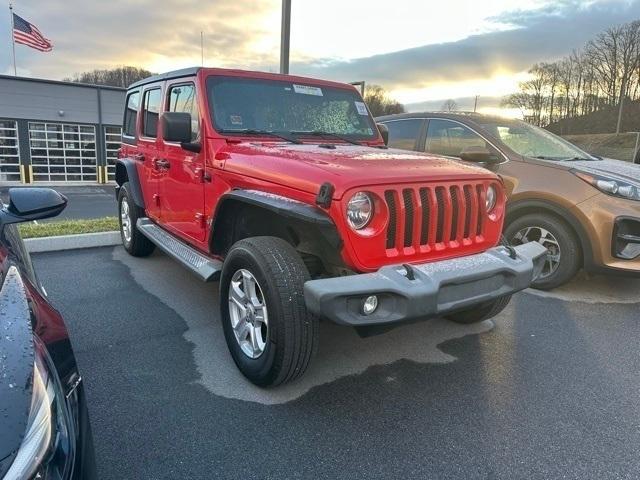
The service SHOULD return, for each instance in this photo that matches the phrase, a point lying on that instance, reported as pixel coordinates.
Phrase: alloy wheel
(547, 240)
(125, 220)
(248, 312)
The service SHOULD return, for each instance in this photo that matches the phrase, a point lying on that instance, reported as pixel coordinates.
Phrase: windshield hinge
(325, 195)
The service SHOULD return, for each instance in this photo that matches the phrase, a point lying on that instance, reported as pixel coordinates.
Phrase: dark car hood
(16, 364)
(618, 168)
(346, 166)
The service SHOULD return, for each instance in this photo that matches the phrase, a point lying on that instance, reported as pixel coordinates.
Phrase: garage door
(9, 153)
(112, 142)
(63, 152)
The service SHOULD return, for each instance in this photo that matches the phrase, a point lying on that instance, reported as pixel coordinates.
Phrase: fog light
(370, 304)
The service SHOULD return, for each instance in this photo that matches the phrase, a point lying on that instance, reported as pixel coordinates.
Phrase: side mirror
(176, 127)
(27, 204)
(479, 155)
(384, 131)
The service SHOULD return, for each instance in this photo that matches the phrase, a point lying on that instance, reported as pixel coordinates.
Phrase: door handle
(161, 164)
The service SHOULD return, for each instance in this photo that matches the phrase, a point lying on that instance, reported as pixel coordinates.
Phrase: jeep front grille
(435, 217)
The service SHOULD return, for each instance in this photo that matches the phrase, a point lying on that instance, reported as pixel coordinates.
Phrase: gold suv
(584, 209)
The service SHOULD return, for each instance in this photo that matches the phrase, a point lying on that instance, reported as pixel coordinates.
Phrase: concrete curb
(71, 242)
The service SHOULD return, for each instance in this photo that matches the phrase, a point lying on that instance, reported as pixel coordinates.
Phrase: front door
(182, 187)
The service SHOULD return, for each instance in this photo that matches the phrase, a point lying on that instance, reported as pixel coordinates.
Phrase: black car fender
(127, 171)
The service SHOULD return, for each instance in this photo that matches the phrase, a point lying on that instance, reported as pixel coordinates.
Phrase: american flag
(29, 35)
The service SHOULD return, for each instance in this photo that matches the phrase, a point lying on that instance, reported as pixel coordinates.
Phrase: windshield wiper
(320, 133)
(254, 131)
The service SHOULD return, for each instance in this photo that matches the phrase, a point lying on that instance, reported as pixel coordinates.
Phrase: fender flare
(514, 208)
(127, 171)
(296, 211)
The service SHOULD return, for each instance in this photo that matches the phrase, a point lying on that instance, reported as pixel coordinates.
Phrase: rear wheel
(481, 312)
(133, 240)
(270, 334)
(564, 256)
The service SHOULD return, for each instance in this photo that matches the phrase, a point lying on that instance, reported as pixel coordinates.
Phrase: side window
(182, 98)
(131, 114)
(404, 133)
(151, 112)
(450, 138)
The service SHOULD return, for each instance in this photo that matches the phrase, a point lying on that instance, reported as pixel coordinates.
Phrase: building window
(9, 152)
(63, 152)
(112, 140)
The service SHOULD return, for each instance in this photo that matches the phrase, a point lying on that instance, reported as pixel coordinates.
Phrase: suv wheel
(565, 256)
(270, 334)
(133, 241)
(481, 312)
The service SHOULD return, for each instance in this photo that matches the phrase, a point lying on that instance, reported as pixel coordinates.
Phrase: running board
(204, 267)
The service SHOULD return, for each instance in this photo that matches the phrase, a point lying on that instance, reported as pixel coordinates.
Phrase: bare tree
(115, 77)
(379, 101)
(449, 106)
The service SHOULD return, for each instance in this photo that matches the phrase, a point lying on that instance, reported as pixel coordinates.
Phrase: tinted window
(450, 138)
(151, 112)
(131, 113)
(182, 98)
(404, 133)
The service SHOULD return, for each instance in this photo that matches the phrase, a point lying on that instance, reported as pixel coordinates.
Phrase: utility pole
(201, 48)
(285, 37)
(475, 105)
(13, 41)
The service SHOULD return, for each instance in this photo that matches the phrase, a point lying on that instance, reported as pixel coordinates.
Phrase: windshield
(535, 142)
(248, 105)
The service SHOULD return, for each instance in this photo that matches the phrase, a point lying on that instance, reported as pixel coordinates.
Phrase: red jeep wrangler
(282, 188)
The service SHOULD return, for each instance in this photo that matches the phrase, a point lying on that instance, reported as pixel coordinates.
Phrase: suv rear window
(131, 114)
(151, 112)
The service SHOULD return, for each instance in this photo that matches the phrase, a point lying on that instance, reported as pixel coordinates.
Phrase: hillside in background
(602, 121)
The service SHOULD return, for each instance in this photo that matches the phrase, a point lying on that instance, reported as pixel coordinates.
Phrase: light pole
(285, 37)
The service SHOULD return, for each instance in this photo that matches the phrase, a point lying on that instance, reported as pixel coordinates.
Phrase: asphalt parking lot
(550, 389)
(85, 201)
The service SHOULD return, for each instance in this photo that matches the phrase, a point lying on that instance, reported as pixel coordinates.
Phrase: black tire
(292, 336)
(570, 251)
(137, 245)
(481, 312)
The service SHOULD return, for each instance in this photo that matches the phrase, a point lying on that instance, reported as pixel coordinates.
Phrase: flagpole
(13, 41)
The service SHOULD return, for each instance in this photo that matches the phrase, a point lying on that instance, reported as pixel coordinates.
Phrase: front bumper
(406, 292)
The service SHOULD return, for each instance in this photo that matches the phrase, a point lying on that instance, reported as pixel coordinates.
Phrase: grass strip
(68, 227)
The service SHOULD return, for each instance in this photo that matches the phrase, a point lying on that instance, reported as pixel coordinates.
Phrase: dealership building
(54, 132)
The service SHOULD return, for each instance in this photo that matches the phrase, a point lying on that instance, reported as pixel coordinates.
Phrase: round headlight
(359, 210)
(491, 198)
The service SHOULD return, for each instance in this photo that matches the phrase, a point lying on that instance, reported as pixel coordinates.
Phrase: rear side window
(182, 98)
(404, 133)
(151, 112)
(131, 114)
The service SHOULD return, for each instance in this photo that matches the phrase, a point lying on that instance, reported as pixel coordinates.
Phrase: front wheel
(270, 334)
(481, 312)
(564, 256)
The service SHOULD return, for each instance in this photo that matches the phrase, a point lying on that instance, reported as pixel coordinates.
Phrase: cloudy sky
(423, 51)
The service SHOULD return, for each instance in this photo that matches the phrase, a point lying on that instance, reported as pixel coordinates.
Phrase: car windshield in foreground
(249, 105)
(534, 142)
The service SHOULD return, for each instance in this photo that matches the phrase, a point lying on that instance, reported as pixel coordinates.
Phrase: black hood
(16, 365)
